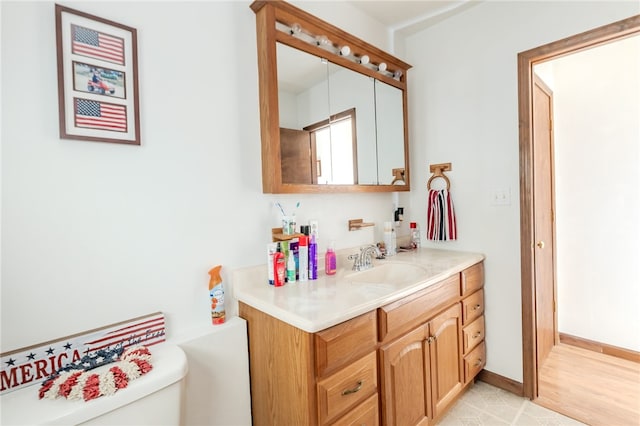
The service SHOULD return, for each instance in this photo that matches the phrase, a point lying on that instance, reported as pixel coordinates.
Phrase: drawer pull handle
(478, 363)
(354, 390)
(478, 334)
(478, 306)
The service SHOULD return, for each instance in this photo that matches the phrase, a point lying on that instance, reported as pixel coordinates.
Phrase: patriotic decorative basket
(80, 381)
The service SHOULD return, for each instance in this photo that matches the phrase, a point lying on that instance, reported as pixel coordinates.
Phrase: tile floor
(484, 405)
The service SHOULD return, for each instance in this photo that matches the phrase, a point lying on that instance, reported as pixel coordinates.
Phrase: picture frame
(97, 78)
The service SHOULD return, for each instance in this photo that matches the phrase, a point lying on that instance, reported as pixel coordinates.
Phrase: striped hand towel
(441, 218)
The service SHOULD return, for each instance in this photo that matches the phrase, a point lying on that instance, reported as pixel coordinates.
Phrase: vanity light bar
(323, 42)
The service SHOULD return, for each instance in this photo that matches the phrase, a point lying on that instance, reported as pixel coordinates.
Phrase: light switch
(501, 197)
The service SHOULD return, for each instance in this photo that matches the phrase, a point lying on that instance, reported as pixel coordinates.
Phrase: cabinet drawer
(472, 278)
(472, 307)
(474, 362)
(413, 310)
(344, 343)
(365, 414)
(347, 388)
(473, 334)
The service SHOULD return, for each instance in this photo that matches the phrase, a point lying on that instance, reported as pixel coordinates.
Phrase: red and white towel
(441, 218)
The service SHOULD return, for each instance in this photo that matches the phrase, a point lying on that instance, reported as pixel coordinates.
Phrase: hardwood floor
(591, 387)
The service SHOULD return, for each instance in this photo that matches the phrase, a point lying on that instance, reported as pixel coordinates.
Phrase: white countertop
(331, 299)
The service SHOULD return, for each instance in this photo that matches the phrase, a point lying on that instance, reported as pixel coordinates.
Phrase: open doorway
(533, 290)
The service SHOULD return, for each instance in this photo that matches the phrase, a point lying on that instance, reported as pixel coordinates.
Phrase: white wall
(463, 109)
(598, 192)
(95, 233)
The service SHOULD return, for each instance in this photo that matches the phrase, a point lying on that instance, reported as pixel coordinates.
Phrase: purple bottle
(313, 258)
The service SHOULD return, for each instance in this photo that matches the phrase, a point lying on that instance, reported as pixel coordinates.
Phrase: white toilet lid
(22, 407)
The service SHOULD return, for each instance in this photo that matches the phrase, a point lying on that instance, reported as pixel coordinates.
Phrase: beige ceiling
(411, 16)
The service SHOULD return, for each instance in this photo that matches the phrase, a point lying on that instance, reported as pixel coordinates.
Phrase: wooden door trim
(526, 61)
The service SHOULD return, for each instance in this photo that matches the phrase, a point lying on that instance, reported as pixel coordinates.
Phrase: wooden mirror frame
(268, 14)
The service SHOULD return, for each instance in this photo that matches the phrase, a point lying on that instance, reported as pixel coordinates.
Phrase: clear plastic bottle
(389, 239)
(291, 268)
(415, 235)
(330, 260)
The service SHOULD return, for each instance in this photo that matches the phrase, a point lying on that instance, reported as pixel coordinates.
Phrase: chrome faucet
(363, 261)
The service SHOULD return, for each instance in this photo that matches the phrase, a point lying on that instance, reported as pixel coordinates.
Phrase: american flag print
(94, 44)
(100, 115)
(148, 332)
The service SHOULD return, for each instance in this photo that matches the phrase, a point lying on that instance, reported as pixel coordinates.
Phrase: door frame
(526, 61)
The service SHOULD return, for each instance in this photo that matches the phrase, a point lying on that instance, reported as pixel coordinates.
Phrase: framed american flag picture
(97, 78)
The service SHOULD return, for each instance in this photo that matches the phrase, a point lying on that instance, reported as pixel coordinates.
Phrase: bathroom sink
(396, 273)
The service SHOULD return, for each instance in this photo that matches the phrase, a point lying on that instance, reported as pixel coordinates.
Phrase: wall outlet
(501, 197)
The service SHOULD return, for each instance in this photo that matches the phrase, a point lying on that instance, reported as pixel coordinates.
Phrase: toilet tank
(152, 399)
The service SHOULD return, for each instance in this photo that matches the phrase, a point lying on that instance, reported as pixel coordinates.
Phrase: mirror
(389, 130)
(330, 121)
(351, 90)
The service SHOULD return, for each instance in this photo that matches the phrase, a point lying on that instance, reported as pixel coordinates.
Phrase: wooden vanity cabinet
(421, 372)
(474, 348)
(300, 378)
(425, 369)
(404, 363)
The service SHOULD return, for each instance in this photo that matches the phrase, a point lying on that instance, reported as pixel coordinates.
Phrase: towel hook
(437, 170)
(398, 176)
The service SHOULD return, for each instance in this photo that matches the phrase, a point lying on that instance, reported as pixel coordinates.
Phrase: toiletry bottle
(330, 260)
(271, 250)
(389, 239)
(278, 267)
(313, 258)
(294, 247)
(291, 267)
(303, 256)
(216, 294)
(313, 228)
(415, 235)
(394, 241)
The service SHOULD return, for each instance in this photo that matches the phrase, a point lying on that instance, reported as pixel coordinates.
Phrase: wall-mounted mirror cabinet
(333, 108)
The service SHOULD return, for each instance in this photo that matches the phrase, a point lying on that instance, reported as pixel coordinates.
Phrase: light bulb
(345, 50)
(322, 40)
(397, 74)
(364, 59)
(296, 28)
(382, 66)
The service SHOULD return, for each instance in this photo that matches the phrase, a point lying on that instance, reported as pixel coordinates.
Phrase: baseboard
(602, 348)
(501, 382)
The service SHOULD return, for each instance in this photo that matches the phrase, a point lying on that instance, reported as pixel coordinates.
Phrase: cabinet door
(445, 346)
(404, 377)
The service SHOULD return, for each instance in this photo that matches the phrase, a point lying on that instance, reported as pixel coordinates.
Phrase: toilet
(152, 399)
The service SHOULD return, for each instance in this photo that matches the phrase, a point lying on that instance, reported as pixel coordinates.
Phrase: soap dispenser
(330, 260)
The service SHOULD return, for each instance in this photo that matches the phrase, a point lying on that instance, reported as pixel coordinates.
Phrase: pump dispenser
(330, 259)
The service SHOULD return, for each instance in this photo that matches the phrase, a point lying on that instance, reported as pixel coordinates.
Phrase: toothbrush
(280, 207)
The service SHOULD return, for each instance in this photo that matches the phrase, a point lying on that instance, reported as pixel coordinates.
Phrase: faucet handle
(356, 261)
